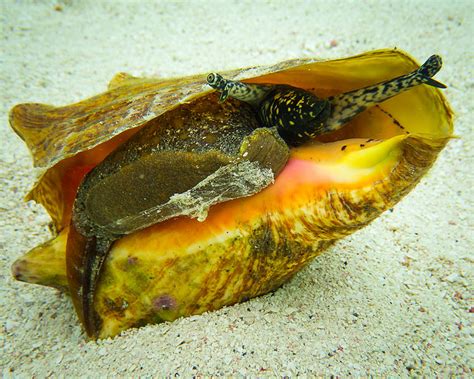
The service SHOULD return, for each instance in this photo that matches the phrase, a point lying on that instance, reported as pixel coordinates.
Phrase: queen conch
(170, 199)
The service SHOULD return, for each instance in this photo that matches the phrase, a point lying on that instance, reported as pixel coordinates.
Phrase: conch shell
(246, 247)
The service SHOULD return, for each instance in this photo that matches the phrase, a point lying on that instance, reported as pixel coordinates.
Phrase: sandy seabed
(360, 308)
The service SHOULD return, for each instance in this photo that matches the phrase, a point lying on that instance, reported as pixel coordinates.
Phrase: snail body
(299, 115)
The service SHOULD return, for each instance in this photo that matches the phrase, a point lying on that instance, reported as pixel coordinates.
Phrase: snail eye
(211, 78)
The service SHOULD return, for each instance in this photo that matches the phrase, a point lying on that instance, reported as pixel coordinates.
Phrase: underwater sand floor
(394, 298)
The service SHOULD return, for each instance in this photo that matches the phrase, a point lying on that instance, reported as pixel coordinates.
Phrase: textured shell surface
(246, 247)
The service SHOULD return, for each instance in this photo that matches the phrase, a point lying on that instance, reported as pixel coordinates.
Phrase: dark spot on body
(371, 90)
(345, 120)
(343, 148)
(386, 88)
(362, 145)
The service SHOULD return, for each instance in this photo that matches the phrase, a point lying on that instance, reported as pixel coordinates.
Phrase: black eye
(210, 78)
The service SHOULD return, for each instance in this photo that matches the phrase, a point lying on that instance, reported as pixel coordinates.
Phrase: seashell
(130, 254)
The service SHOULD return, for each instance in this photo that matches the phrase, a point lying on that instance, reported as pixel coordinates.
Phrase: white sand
(359, 309)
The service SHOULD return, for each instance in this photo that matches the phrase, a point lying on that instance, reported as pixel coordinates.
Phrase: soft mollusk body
(299, 115)
(248, 246)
